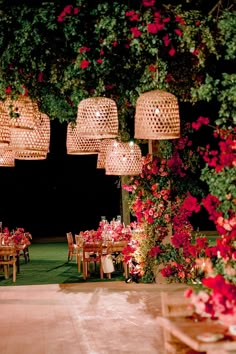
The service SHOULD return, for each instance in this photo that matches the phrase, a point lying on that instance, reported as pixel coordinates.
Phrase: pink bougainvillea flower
(99, 61)
(84, 64)
(152, 68)
(148, 3)
(166, 40)
(200, 121)
(180, 20)
(8, 90)
(135, 31)
(84, 49)
(178, 32)
(172, 51)
(152, 28)
(40, 77)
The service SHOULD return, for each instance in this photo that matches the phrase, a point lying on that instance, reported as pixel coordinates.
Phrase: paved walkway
(88, 318)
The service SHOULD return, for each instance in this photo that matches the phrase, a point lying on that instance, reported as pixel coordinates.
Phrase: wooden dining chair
(175, 304)
(92, 252)
(8, 257)
(72, 247)
(79, 240)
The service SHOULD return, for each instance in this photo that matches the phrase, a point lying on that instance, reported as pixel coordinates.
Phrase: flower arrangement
(114, 231)
(17, 237)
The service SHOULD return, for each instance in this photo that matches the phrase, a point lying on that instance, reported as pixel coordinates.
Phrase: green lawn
(48, 265)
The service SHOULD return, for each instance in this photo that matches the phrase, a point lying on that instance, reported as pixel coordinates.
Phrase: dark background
(62, 193)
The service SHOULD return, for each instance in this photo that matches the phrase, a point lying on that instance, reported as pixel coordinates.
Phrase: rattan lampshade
(26, 111)
(97, 118)
(157, 116)
(36, 139)
(4, 127)
(7, 157)
(105, 143)
(77, 145)
(30, 155)
(123, 159)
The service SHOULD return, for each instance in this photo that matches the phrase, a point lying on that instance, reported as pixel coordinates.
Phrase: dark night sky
(60, 194)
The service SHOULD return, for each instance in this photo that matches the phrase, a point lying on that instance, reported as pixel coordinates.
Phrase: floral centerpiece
(113, 231)
(17, 237)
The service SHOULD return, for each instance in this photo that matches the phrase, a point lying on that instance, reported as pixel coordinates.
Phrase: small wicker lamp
(123, 159)
(105, 143)
(32, 144)
(4, 127)
(77, 145)
(157, 116)
(26, 110)
(97, 118)
(7, 157)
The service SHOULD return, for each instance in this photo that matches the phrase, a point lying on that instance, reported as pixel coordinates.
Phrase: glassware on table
(118, 218)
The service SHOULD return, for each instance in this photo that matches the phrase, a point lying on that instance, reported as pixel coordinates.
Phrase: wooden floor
(88, 318)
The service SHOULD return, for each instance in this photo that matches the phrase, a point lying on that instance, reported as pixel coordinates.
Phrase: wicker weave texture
(4, 127)
(7, 157)
(157, 116)
(30, 155)
(123, 159)
(97, 118)
(26, 110)
(77, 145)
(37, 139)
(105, 143)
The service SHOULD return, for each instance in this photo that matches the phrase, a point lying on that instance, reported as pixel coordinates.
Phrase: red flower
(135, 31)
(172, 51)
(148, 3)
(178, 32)
(84, 64)
(152, 28)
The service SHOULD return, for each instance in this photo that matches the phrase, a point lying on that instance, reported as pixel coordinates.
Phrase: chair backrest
(8, 251)
(175, 304)
(92, 251)
(79, 240)
(70, 239)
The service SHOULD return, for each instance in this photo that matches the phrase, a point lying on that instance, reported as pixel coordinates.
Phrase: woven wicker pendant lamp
(4, 127)
(77, 145)
(25, 110)
(30, 155)
(32, 144)
(123, 159)
(105, 143)
(97, 118)
(157, 116)
(7, 157)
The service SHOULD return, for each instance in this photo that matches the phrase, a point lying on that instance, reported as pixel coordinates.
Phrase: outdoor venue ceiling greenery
(62, 52)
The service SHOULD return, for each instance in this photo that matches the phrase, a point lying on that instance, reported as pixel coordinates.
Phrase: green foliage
(223, 186)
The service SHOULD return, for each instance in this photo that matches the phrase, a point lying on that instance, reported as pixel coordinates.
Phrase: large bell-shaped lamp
(7, 157)
(105, 143)
(123, 159)
(97, 118)
(32, 144)
(77, 145)
(157, 116)
(23, 112)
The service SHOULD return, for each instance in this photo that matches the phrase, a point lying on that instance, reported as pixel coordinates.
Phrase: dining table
(109, 248)
(203, 335)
